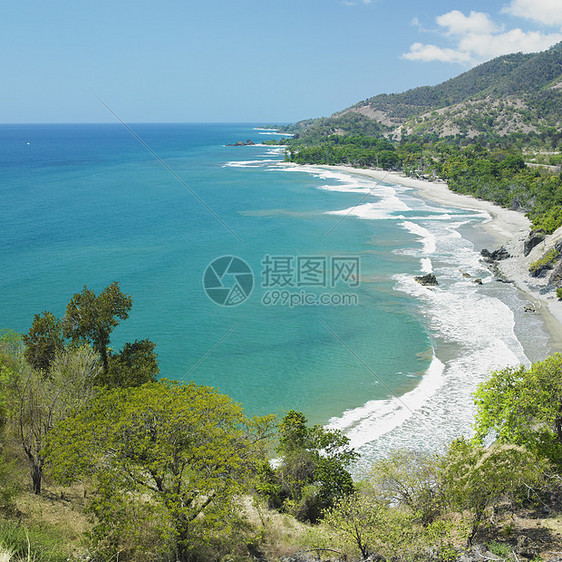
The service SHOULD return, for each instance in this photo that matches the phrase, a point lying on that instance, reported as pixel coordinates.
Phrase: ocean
(285, 287)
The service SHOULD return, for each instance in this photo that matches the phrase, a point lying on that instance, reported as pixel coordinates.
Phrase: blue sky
(245, 60)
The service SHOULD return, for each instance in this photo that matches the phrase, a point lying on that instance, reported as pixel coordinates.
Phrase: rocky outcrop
(548, 262)
(534, 239)
(428, 280)
(555, 279)
(496, 255)
(541, 270)
(242, 143)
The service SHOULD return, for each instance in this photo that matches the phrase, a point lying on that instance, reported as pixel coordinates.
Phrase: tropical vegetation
(163, 470)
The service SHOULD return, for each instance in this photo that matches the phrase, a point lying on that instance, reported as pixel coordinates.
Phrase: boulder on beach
(496, 255)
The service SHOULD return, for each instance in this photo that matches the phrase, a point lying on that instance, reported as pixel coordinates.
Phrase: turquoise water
(89, 205)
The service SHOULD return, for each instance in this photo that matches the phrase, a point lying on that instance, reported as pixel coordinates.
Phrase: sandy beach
(507, 228)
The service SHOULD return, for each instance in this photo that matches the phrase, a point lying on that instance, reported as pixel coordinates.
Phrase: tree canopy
(187, 448)
(476, 478)
(38, 401)
(91, 319)
(312, 473)
(135, 365)
(524, 406)
(43, 341)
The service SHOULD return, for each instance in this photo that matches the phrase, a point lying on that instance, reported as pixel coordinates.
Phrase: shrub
(543, 263)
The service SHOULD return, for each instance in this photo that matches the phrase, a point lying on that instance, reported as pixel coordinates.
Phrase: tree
(410, 479)
(9, 341)
(185, 449)
(361, 520)
(38, 402)
(312, 474)
(43, 341)
(91, 319)
(524, 406)
(136, 365)
(368, 522)
(476, 478)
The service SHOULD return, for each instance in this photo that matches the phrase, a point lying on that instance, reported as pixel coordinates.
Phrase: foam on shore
(473, 332)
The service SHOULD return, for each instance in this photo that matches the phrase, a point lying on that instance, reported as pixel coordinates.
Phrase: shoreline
(506, 227)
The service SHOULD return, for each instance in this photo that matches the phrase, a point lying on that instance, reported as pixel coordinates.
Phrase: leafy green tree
(410, 479)
(185, 449)
(91, 319)
(312, 473)
(361, 520)
(136, 365)
(477, 478)
(8, 487)
(369, 524)
(43, 341)
(38, 402)
(524, 406)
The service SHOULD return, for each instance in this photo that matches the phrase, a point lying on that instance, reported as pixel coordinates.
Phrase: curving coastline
(475, 328)
(507, 228)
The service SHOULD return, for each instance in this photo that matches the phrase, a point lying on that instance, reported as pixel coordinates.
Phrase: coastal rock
(242, 143)
(555, 279)
(534, 239)
(542, 270)
(496, 255)
(428, 280)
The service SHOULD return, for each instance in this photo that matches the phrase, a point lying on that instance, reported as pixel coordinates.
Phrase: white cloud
(417, 23)
(457, 23)
(513, 41)
(426, 53)
(548, 12)
(477, 38)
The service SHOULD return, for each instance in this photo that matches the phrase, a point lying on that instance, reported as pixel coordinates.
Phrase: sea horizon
(395, 366)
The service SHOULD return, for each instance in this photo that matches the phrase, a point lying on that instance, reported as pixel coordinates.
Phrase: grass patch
(19, 542)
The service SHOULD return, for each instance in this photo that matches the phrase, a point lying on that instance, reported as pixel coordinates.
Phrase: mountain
(516, 93)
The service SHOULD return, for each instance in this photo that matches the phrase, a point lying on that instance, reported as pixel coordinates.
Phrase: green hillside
(516, 93)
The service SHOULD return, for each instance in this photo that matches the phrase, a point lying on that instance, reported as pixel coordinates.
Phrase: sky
(255, 61)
